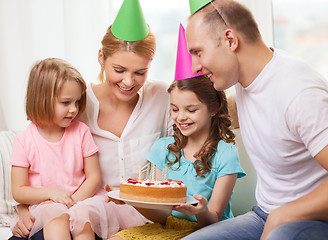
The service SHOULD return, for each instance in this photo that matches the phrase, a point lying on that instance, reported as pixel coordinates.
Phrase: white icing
(142, 183)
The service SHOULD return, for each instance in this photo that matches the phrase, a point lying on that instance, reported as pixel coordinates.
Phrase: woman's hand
(109, 199)
(191, 210)
(25, 222)
(60, 196)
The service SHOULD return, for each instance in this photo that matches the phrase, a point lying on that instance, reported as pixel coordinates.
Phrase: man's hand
(25, 222)
(279, 216)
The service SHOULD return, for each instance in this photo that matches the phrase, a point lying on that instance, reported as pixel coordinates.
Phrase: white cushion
(6, 199)
(5, 233)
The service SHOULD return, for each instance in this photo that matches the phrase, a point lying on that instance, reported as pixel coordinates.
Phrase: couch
(6, 200)
(242, 199)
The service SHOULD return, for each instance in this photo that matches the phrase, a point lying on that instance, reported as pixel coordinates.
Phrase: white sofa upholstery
(6, 200)
(5, 233)
(242, 200)
(243, 197)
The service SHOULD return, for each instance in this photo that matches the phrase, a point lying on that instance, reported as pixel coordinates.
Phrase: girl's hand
(60, 196)
(109, 199)
(191, 210)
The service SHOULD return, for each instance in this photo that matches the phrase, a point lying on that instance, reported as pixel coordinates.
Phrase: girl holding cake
(200, 153)
(55, 168)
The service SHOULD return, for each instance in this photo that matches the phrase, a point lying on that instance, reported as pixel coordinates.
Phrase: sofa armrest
(243, 197)
(5, 233)
(6, 200)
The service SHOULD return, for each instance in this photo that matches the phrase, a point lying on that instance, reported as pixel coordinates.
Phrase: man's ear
(101, 58)
(232, 39)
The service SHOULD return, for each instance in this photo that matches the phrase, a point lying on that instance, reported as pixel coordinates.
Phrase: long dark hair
(215, 101)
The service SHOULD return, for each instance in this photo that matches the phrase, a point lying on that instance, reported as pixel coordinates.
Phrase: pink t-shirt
(58, 164)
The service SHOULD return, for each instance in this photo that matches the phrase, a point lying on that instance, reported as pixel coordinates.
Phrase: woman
(125, 113)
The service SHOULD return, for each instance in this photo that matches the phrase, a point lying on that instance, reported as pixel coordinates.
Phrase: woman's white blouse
(120, 157)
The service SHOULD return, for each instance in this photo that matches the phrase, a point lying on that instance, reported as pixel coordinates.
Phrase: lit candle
(152, 172)
(166, 173)
(139, 171)
(163, 173)
(148, 171)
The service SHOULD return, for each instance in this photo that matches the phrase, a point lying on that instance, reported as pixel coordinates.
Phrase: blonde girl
(55, 168)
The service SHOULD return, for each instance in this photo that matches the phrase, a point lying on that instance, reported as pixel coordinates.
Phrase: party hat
(195, 5)
(130, 24)
(183, 62)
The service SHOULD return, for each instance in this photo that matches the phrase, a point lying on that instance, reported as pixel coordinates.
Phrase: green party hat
(130, 24)
(195, 5)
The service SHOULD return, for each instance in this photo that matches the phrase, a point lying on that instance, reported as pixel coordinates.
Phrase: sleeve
(163, 98)
(157, 153)
(89, 146)
(307, 119)
(18, 154)
(228, 162)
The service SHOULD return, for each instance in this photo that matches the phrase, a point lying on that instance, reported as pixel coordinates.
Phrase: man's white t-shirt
(283, 118)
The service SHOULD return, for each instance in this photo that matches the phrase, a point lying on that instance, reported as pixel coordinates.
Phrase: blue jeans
(250, 226)
(301, 230)
(36, 236)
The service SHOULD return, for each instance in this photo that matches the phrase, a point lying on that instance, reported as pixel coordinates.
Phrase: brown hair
(223, 14)
(110, 45)
(44, 85)
(220, 125)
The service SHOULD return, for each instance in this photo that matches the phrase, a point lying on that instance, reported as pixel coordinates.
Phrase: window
(300, 28)
(163, 18)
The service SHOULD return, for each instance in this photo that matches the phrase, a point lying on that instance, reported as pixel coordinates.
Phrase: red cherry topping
(177, 182)
(132, 181)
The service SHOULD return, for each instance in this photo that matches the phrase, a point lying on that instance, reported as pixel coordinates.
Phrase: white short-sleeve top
(283, 118)
(150, 120)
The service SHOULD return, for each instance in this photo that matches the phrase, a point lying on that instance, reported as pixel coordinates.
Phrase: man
(283, 116)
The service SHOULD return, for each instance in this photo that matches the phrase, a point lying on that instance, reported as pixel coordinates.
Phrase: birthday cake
(168, 191)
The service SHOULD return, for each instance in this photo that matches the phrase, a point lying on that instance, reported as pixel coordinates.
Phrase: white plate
(151, 205)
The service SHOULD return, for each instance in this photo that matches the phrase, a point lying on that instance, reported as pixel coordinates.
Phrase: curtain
(262, 11)
(31, 30)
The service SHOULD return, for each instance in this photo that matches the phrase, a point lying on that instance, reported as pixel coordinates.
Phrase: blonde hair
(110, 45)
(223, 14)
(45, 82)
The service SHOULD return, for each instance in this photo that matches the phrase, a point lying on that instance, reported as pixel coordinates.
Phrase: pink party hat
(183, 62)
